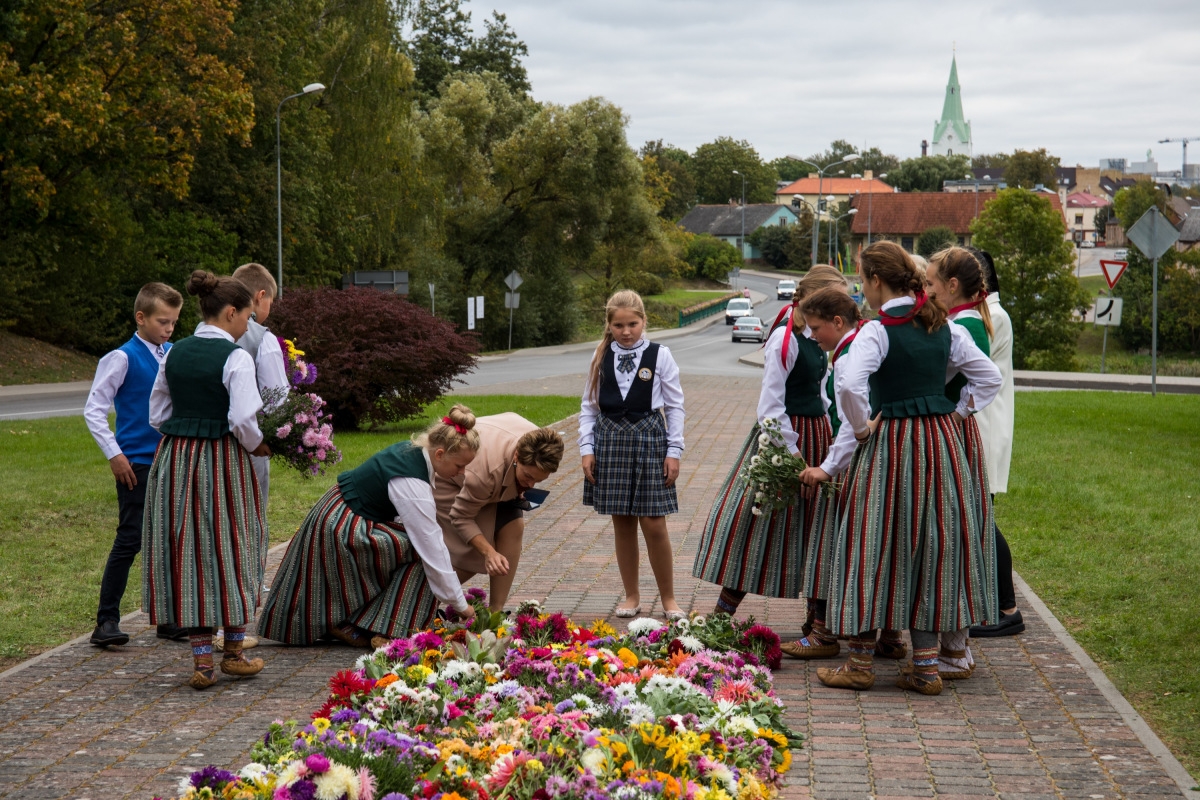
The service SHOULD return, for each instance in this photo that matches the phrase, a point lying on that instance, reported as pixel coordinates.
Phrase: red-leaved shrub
(379, 357)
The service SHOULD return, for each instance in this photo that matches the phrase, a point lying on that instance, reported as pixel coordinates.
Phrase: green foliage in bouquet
(772, 473)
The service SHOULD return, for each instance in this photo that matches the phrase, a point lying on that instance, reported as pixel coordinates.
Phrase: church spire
(952, 133)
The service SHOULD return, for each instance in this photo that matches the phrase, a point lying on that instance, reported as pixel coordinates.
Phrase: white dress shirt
(996, 422)
(842, 450)
(417, 512)
(773, 395)
(851, 383)
(110, 376)
(238, 377)
(269, 365)
(666, 394)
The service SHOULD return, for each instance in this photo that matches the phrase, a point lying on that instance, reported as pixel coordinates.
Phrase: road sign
(479, 307)
(470, 313)
(1108, 310)
(513, 280)
(512, 299)
(1153, 233)
(1113, 270)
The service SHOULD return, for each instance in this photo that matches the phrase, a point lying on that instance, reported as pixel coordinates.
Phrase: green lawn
(1102, 518)
(58, 510)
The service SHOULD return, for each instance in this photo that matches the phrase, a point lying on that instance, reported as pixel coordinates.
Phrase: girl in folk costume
(369, 559)
(630, 456)
(910, 548)
(955, 279)
(203, 529)
(834, 319)
(744, 552)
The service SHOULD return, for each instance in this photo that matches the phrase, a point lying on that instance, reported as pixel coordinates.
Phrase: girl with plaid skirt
(369, 560)
(909, 551)
(955, 279)
(203, 532)
(630, 452)
(746, 553)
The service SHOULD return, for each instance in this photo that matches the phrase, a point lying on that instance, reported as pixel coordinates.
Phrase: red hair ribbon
(458, 428)
(972, 304)
(886, 319)
(790, 310)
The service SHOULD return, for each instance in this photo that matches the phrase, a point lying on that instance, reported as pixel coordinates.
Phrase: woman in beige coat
(480, 511)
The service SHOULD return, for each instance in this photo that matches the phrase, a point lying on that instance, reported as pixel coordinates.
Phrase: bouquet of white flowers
(773, 474)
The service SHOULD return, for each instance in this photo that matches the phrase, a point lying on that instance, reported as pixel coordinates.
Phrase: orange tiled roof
(835, 186)
(913, 213)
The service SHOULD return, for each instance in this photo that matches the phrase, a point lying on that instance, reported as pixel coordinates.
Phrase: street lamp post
(849, 213)
(742, 241)
(820, 188)
(310, 89)
(870, 206)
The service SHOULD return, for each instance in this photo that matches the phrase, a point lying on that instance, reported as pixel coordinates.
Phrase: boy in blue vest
(124, 379)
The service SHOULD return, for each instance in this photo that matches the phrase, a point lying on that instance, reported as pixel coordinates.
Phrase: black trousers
(130, 503)
(1007, 593)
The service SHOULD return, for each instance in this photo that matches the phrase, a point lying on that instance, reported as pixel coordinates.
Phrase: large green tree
(935, 239)
(440, 43)
(1024, 234)
(668, 177)
(1028, 168)
(714, 163)
(928, 173)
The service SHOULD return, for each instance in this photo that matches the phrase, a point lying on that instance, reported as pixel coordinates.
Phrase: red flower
(675, 647)
(348, 683)
(328, 708)
(583, 636)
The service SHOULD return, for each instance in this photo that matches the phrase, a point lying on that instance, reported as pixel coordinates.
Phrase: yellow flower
(321, 724)
(751, 789)
(535, 765)
(602, 629)
(627, 657)
(786, 764)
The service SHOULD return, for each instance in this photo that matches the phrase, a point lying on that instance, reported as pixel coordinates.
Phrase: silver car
(749, 328)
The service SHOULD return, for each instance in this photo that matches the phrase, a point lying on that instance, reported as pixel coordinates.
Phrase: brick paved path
(85, 723)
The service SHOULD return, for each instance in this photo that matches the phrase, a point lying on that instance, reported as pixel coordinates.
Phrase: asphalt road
(1089, 260)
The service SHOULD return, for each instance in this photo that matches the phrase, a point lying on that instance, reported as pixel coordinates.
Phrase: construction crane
(1183, 170)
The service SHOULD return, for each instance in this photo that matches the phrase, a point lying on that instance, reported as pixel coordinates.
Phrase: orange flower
(386, 680)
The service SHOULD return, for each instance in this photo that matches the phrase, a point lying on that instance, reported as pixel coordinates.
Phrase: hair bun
(202, 282)
(462, 416)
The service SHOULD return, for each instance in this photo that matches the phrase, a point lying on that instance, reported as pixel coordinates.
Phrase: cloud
(1087, 80)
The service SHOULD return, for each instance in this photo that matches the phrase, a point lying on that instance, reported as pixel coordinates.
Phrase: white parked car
(1120, 255)
(749, 328)
(736, 308)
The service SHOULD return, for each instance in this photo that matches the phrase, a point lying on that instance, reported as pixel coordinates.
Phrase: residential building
(726, 222)
(1189, 234)
(841, 187)
(902, 217)
(952, 133)
(1081, 216)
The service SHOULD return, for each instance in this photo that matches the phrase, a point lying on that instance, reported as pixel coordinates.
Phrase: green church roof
(952, 111)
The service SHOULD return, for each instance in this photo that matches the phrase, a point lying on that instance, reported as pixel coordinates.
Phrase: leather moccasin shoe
(241, 667)
(799, 650)
(910, 680)
(1007, 625)
(109, 633)
(380, 641)
(844, 677)
(200, 681)
(892, 650)
(353, 639)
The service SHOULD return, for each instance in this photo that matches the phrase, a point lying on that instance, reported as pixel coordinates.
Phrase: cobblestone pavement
(1030, 724)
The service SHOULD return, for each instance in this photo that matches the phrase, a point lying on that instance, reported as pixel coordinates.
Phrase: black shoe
(172, 633)
(109, 633)
(1009, 625)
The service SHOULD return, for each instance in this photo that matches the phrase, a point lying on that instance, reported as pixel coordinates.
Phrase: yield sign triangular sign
(1113, 270)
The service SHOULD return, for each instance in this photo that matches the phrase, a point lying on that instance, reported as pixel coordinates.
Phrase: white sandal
(627, 613)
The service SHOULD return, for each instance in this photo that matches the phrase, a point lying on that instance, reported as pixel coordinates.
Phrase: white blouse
(666, 394)
(842, 450)
(417, 512)
(772, 396)
(239, 380)
(851, 383)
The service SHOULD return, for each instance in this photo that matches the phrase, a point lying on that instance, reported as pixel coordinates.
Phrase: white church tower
(952, 133)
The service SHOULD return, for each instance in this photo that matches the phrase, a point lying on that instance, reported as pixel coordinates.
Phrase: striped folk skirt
(344, 567)
(828, 507)
(629, 469)
(203, 534)
(760, 554)
(911, 550)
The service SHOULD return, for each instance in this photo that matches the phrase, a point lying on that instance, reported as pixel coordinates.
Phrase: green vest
(365, 488)
(979, 334)
(911, 381)
(802, 390)
(199, 399)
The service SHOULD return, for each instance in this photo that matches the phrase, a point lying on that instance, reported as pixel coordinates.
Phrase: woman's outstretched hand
(589, 468)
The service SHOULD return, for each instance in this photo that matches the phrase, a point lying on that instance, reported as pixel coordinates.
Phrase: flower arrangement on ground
(532, 709)
(772, 474)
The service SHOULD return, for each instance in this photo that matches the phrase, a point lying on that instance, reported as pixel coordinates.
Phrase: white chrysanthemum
(739, 724)
(503, 687)
(643, 625)
(290, 774)
(777, 460)
(758, 496)
(339, 780)
(591, 660)
(582, 701)
(699, 621)
(638, 713)
(755, 461)
(493, 669)
(723, 774)
(456, 670)
(756, 511)
(593, 760)
(361, 661)
(185, 785)
(763, 440)
(691, 644)
(626, 691)
(252, 771)
(671, 685)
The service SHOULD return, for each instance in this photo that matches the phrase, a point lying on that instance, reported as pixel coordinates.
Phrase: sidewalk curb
(40, 657)
(1129, 714)
(71, 387)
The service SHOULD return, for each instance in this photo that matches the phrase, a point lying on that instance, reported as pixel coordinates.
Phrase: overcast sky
(1086, 80)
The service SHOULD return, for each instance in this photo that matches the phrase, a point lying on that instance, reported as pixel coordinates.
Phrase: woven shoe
(241, 667)
(951, 672)
(909, 680)
(800, 650)
(200, 681)
(844, 677)
(889, 649)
